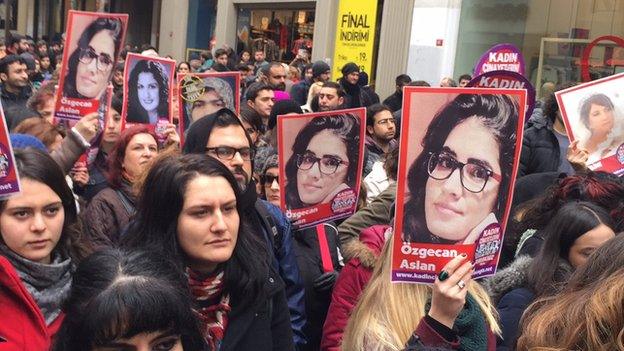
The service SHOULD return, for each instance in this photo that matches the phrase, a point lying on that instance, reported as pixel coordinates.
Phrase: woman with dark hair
(576, 230)
(183, 68)
(588, 314)
(121, 300)
(90, 66)
(110, 211)
(599, 117)
(189, 211)
(39, 247)
(474, 135)
(324, 160)
(148, 93)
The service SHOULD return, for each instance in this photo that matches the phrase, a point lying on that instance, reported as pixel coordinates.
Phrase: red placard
(458, 160)
(593, 114)
(93, 43)
(320, 159)
(9, 179)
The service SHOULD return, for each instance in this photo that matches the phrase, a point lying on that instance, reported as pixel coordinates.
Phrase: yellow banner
(355, 35)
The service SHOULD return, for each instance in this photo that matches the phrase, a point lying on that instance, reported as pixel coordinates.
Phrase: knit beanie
(271, 162)
(22, 141)
(319, 67)
(350, 68)
(282, 107)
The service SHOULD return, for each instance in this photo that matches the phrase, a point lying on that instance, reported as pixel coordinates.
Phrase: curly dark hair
(346, 127)
(136, 112)
(498, 113)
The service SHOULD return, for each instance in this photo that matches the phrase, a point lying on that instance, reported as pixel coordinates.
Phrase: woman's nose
(275, 185)
(38, 224)
(452, 184)
(219, 225)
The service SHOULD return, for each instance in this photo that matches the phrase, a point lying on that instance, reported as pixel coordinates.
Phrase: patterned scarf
(212, 306)
(48, 284)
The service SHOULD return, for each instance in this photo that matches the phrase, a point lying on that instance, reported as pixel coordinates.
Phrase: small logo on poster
(191, 88)
(344, 201)
(4, 161)
(620, 153)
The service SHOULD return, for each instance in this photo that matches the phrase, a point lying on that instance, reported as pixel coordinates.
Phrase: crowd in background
(153, 246)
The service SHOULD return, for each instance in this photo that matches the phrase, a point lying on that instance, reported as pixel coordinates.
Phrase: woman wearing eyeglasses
(467, 157)
(90, 66)
(148, 93)
(324, 160)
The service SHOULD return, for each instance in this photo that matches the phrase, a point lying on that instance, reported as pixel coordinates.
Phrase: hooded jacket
(351, 282)
(22, 325)
(279, 241)
(540, 147)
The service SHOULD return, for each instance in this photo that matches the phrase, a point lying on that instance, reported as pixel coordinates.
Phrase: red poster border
(123, 17)
(132, 57)
(402, 172)
(281, 119)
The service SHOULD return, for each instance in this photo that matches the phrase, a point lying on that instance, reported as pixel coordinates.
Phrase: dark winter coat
(394, 101)
(317, 299)
(263, 326)
(351, 282)
(299, 91)
(540, 148)
(357, 96)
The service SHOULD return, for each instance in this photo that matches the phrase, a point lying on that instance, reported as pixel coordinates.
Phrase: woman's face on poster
(148, 91)
(327, 159)
(451, 211)
(600, 119)
(92, 78)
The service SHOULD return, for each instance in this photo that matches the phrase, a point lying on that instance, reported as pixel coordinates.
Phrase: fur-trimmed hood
(368, 248)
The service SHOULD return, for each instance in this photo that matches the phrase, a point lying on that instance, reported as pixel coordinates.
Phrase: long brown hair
(588, 314)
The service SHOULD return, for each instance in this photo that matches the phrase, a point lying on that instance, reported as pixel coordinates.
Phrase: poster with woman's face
(201, 94)
(457, 164)
(320, 162)
(148, 91)
(9, 179)
(593, 114)
(93, 43)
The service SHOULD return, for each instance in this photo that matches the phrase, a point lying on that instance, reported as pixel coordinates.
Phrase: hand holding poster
(201, 94)
(593, 114)
(320, 158)
(9, 179)
(94, 41)
(148, 92)
(458, 160)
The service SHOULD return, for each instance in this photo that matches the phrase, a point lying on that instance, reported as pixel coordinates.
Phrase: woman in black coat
(189, 211)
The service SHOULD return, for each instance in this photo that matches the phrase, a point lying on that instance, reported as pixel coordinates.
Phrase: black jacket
(263, 326)
(357, 96)
(394, 101)
(540, 148)
(10, 100)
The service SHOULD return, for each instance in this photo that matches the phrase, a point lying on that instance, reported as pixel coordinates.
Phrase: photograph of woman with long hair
(597, 114)
(324, 160)
(148, 93)
(90, 65)
(458, 184)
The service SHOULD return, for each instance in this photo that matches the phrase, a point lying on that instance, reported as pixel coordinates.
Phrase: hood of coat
(368, 248)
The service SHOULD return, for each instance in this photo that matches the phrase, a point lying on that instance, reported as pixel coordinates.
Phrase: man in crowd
(259, 60)
(274, 74)
(261, 98)
(380, 132)
(224, 137)
(448, 82)
(16, 88)
(331, 97)
(321, 72)
(464, 79)
(395, 101)
(355, 95)
(221, 57)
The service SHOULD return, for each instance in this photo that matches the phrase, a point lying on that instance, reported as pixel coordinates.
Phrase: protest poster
(320, 159)
(201, 94)
(355, 35)
(9, 179)
(501, 57)
(93, 43)
(148, 92)
(593, 114)
(507, 80)
(458, 160)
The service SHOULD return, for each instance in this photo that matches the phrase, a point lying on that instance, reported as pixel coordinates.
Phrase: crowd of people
(154, 245)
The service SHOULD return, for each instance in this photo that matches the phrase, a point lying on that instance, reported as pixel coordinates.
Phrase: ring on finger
(461, 284)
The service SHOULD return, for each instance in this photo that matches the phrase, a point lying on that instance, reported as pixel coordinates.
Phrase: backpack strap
(269, 225)
(326, 259)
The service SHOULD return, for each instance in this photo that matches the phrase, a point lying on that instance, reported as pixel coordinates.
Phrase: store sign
(501, 57)
(506, 80)
(355, 35)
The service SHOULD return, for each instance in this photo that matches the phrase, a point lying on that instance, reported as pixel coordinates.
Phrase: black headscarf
(197, 138)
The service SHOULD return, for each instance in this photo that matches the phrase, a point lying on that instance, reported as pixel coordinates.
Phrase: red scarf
(208, 292)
